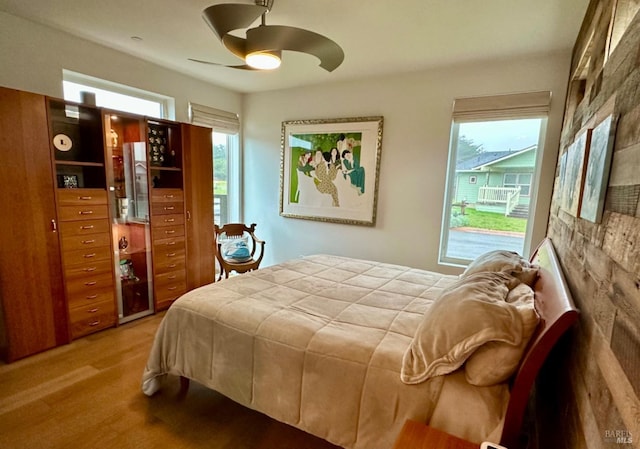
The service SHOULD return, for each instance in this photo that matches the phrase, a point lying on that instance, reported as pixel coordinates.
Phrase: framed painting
(329, 169)
(574, 173)
(598, 165)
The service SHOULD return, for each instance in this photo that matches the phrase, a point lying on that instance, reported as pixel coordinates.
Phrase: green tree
(220, 162)
(467, 148)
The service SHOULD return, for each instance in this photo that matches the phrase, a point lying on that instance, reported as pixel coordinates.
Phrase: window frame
(167, 104)
(534, 105)
(227, 123)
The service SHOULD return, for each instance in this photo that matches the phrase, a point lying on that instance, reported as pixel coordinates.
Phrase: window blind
(219, 120)
(522, 105)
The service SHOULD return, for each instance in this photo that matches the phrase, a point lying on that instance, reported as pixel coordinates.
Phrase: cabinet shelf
(80, 163)
(174, 169)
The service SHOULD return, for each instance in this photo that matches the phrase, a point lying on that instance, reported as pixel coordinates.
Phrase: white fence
(509, 196)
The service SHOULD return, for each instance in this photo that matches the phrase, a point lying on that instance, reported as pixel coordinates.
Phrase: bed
(349, 349)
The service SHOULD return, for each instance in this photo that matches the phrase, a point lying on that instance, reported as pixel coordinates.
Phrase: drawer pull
(88, 242)
(172, 277)
(169, 208)
(170, 232)
(90, 284)
(169, 220)
(90, 269)
(168, 196)
(92, 296)
(173, 265)
(93, 310)
(85, 198)
(171, 243)
(86, 227)
(89, 256)
(171, 288)
(85, 212)
(171, 254)
(94, 323)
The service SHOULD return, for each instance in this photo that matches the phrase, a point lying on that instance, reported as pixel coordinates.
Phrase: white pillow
(235, 250)
(468, 314)
(495, 362)
(502, 260)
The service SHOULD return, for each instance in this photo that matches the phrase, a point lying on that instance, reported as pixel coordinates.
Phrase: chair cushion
(235, 250)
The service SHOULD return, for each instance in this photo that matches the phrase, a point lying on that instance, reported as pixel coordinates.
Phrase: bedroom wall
(595, 403)
(417, 118)
(32, 57)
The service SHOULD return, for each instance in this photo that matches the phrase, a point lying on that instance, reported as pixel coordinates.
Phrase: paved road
(469, 245)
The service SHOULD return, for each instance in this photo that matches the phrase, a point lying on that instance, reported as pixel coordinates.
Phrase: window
(117, 96)
(493, 162)
(226, 160)
(518, 180)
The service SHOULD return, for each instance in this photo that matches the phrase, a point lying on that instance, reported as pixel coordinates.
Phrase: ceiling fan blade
(240, 67)
(278, 37)
(227, 17)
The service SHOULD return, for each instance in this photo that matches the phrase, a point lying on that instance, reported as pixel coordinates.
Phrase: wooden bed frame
(557, 313)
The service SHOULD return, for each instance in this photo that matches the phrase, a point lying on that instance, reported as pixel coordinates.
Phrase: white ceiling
(377, 36)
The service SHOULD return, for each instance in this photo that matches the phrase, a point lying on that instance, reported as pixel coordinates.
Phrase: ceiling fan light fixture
(263, 60)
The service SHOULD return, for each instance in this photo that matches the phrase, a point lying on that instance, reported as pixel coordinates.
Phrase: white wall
(32, 57)
(417, 114)
(417, 119)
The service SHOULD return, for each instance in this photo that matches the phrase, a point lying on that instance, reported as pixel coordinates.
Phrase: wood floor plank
(88, 395)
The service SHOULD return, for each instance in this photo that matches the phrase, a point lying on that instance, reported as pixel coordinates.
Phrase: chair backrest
(557, 313)
(233, 230)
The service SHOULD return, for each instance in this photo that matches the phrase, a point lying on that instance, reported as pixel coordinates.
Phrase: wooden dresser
(168, 237)
(87, 259)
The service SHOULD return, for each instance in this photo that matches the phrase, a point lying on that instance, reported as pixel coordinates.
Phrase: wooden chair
(237, 231)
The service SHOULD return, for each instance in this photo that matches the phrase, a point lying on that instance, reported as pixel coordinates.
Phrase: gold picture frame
(330, 169)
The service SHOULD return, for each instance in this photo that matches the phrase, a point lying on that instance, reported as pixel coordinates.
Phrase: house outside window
(495, 149)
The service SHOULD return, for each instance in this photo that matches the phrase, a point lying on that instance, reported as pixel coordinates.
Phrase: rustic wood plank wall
(588, 397)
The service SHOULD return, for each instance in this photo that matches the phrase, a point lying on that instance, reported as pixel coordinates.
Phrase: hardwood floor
(87, 395)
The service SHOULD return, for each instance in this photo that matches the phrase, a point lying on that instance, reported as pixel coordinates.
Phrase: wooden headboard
(557, 313)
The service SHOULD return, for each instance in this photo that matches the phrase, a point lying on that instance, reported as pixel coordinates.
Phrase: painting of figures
(329, 169)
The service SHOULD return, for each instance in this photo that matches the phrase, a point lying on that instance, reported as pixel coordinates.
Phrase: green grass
(493, 221)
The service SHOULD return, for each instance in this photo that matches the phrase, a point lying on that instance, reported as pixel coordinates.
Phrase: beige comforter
(317, 343)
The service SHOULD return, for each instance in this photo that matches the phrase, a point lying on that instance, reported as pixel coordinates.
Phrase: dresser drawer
(167, 220)
(84, 227)
(167, 208)
(88, 269)
(89, 298)
(172, 255)
(83, 212)
(91, 324)
(169, 244)
(167, 195)
(170, 278)
(88, 242)
(169, 263)
(86, 256)
(90, 284)
(165, 232)
(77, 197)
(165, 295)
(80, 313)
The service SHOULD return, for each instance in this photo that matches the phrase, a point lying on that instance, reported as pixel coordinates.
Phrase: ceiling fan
(262, 48)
